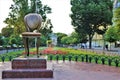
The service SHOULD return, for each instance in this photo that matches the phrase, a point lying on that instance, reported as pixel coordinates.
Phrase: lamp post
(36, 11)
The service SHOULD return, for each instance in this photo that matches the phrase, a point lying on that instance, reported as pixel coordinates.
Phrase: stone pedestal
(28, 68)
(32, 63)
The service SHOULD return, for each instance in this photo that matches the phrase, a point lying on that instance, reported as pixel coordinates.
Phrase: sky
(4, 10)
(59, 16)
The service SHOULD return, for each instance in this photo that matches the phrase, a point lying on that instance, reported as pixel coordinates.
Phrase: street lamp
(36, 7)
(36, 11)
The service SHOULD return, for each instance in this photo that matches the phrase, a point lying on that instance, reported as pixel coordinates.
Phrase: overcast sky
(59, 16)
(4, 10)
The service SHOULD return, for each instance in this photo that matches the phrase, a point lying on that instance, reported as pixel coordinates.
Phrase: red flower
(49, 51)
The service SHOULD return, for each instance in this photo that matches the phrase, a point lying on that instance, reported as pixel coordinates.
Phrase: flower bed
(70, 55)
(48, 51)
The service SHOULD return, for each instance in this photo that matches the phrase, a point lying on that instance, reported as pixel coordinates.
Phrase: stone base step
(27, 73)
(29, 63)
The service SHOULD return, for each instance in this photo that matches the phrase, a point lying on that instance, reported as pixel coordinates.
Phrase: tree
(59, 37)
(75, 38)
(15, 39)
(46, 28)
(66, 40)
(1, 40)
(23, 7)
(7, 31)
(12, 41)
(81, 38)
(111, 35)
(116, 17)
(88, 15)
(43, 40)
(6, 41)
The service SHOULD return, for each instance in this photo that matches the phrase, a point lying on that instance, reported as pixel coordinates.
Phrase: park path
(75, 71)
(113, 51)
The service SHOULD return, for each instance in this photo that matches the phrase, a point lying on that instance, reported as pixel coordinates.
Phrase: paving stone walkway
(74, 71)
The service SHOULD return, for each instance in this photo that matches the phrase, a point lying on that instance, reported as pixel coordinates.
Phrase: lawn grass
(83, 53)
(70, 55)
(15, 54)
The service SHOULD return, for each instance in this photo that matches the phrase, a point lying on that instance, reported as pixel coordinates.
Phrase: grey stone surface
(75, 71)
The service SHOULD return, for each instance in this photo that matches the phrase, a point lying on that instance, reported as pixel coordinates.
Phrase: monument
(33, 22)
(29, 67)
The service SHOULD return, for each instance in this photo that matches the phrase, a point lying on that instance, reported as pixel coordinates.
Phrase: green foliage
(6, 42)
(72, 39)
(117, 29)
(71, 55)
(75, 38)
(15, 39)
(111, 35)
(116, 20)
(1, 40)
(66, 40)
(7, 31)
(81, 38)
(43, 40)
(85, 57)
(49, 41)
(16, 54)
(46, 28)
(12, 54)
(59, 37)
(20, 8)
(88, 15)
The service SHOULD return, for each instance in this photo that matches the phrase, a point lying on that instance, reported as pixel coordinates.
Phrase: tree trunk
(115, 44)
(90, 42)
(110, 45)
(104, 43)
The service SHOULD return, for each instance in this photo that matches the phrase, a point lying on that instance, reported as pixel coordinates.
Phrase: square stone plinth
(27, 73)
(29, 63)
(28, 68)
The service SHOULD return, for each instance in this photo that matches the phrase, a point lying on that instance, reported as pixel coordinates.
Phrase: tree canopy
(22, 7)
(1, 40)
(7, 31)
(88, 15)
(116, 20)
(110, 35)
(60, 35)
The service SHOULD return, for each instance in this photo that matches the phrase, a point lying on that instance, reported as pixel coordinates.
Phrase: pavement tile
(74, 71)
